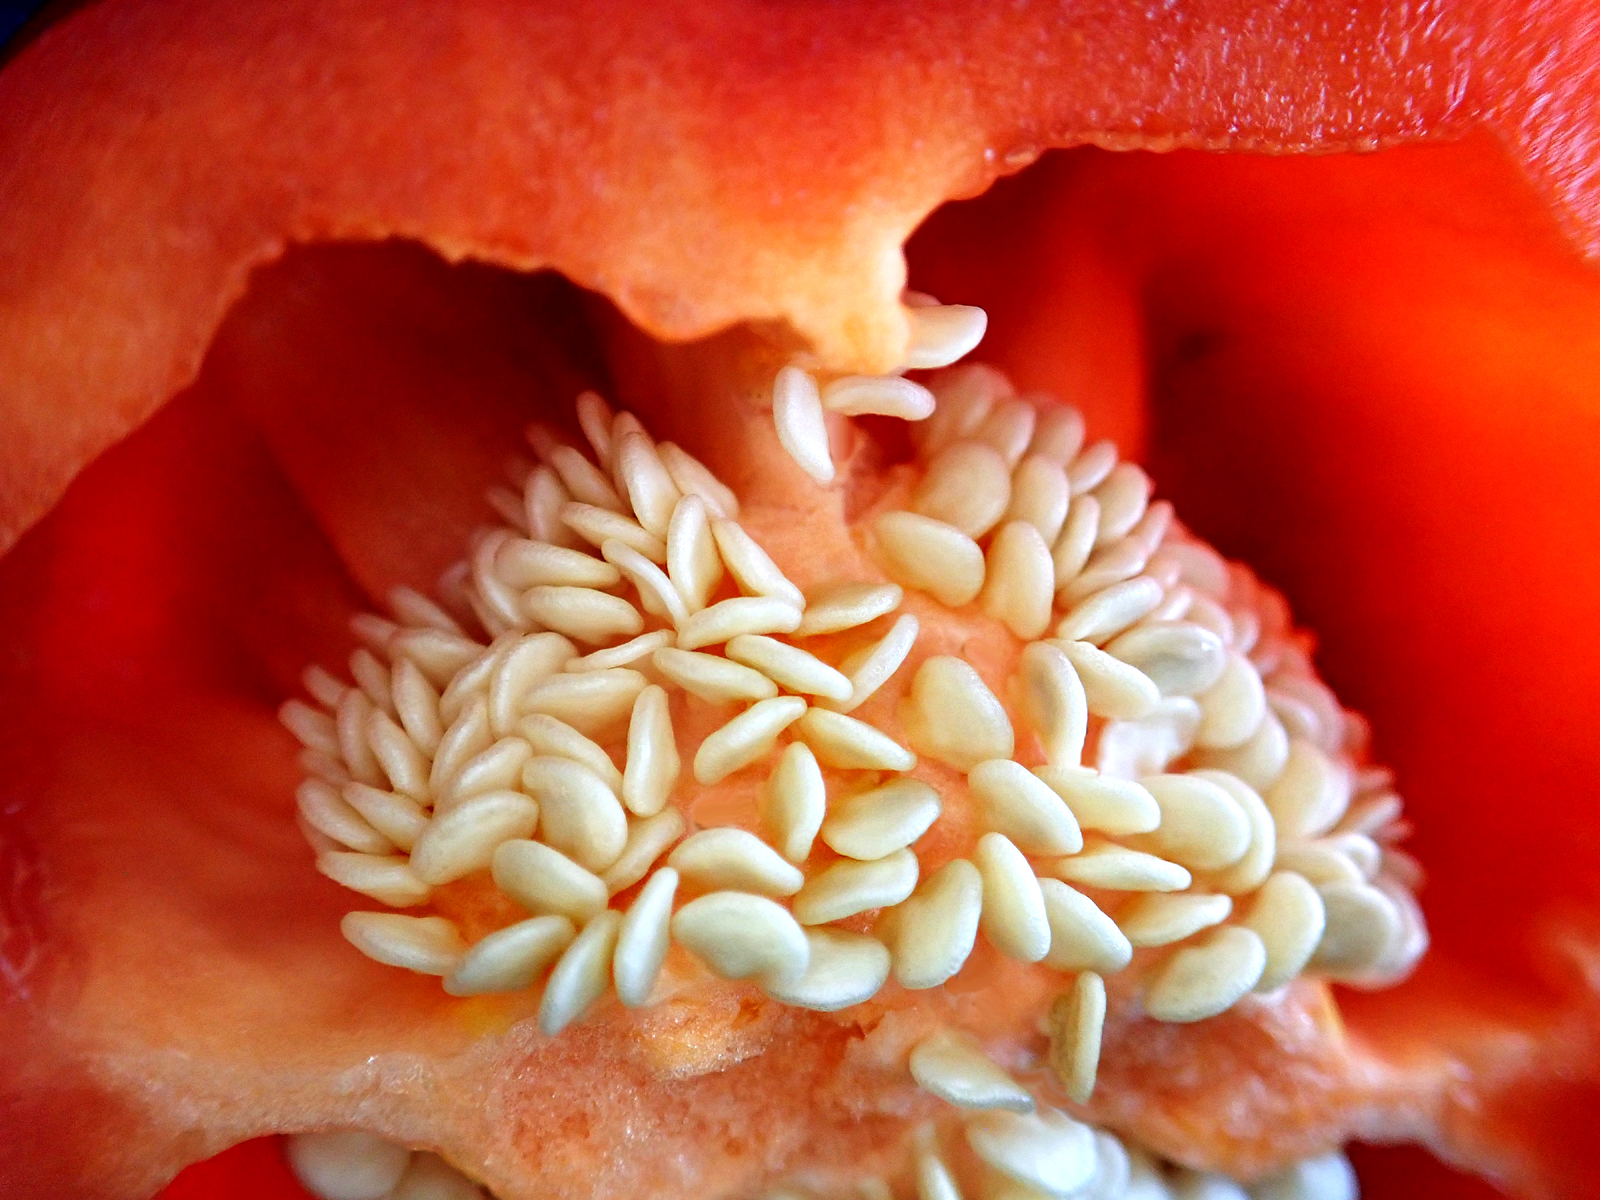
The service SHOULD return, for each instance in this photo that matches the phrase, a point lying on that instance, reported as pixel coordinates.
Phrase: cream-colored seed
(1077, 1021)
(932, 933)
(1207, 978)
(599, 525)
(426, 945)
(656, 590)
(644, 478)
(870, 668)
(595, 703)
(1289, 918)
(1181, 658)
(492, 770)
(1251, 871)
(1311, 794)
(653, 764)
(581, 974)
(1325, 1177)
(1010, 799)
(1075, 543)
(527, 662)
(398, 818)
(849, 887)
(1123, 495)
(740, 936)
(849, 744)
(647, 840)
(1046, 1150)
(324, 767)
(1211, 615)
(1058, 436)
(734, 860)
(951, 715)
(313, 729)
(1103, 803)
(547, 736)
(1232, 709)
(388, 879)
(1040, 496)
(843, 969)
(1091, 466)
(350, 724)
(965, 395)
(1160, 920)
(802, 429)
(643, 939)
(583, 614)
(372, 677)
(543, 498)
(795, 802)
(526, 564)
(751, 567)
(629, 654)
(1362, 923)
(1113, 689)
(951, 1065)
(931, 556)
(846, 605)
(749, 736)
(1107, 613)
(1106, 566)
(500, 609)
(546, 882)
(1204, 1185)
(693, 564)
(943, 333)
(742, 614)
(1082, 938)
(1053, 703)
(463, 840)
(438, 655)
(1202, 825)
(584, 481)
(1131, 749)
(416, 703)
(595, 418)
(1009, 429)
(1019, 580)
(578, 813)
(324, 688)
(511, 959)
(1320, 863)
(322, 807)
(789, 666)
(880, 395)
(1359, 848)
(967, 486)
(1013, 918)
(694, 478)
(872, 824)
(472, 682)
(713, 678)
(346, 1165)
(1259, 761)
(1115, 868)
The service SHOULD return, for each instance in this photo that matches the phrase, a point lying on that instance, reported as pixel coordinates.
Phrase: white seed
(1013, 918)
(1204, 1185)
(495, 769)
(1289, 918)
(740, 936)
(849, 887)
(426, 945)
(742, 614)
(324, 688)
(1205, 611)
(1207, 978)
(313, 729)
(1232, 709)
(1202, 825)
(525, 564)
(322, 766)
(1111, 564)
(322, 808)
(1040, 496)
(1181, 658)
(1082, 938)
(693, 478)
(595, 418)
(1157, 920)
(965, 395)
(581, 974)
(1175, 605)
(794, 802)
(511, 959)
(944, 333)
(463, 840)
(468, 736)
(653, 763)
(844, 969)
(628, 654)
(734, 860)
(951, 715)
(472, 681)
(932, 933)
(526, 663)
(847, 605)
(1058, 435)
(416, 703)
(1362, 922)
(595, 703)
(547, 736)
(350, 723)
(1311, 795)
(656, 590)
(578, 813)
(583, 613)
(1251, 871)
(597, 526)
(543, 497)
(429, 1177)
(1360, 849)
(546, 882)
(1075, 542)
(648, 485)
(346, 1165)
(1108, 612)
(931, 556)
(951, 1065)
(1009, 429)
(388, 879)
(693, 564)
(1010, 799)
(1053, 703)
(849, 744)
(1114, 690)
(749, 736)
(789, 666)
(1091, 466)
(1047, 1150)
(1259, 762)
(398, 818)
(1123, 495)
(755, 572)
(372, 677)
(874, 823)
(647, 840)
(1116, 868)
(1102, 803)
(1319, 862)
(967, 486)
(880, 395)
(497, 603)
(1325, 1177)
(713, 678)
(798, 416)
(873, 666)
(643, 939)
(1077, 1022)
(584, 481)
(1132, 749)
(374, 632)
(1019, 580)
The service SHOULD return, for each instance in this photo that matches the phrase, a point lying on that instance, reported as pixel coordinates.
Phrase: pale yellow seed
(843, 969)
(877, 822)
(1132, 749)
(1082, 938)
(397, 755)
(1052, 702)
(653, 764)
(643, 939)
(1207, 978)
(729, 859)
(751, 567)
(795, 802)
(746, 738)
(398, 818)
(345, 1164)
(416, 703)
(595, 418)
(583, 614)
(967, 486)
(547, 736)
(372, 677)
(468, 736)
(1106, 865)
(928, 555)
(546, 882)
(740, 936)
(1009, 429)
(1101, 802)
(1251, 871)
(1075, 542)
(1289, 918)
(1123, 496)
(350, 724)
(583, 480)
(1160, 920)
(388, 879)
(951, 1065)
(595, 703)
(1019, 580)
(951, 715)
(1112, 688)
(525, 663)
(712, 678)
(1077, 1022)
(429, 1177)
(849, 744)
(1104, 615)
(426, 945)
(656, 591)
(879, 395)
(1232, 709)
(847, 605)
(964, 395)
(849, 887)
(491, 770)
(581, 974)
(525, 564)
(511, 959)
(543, 498)
(1058, 436)
(932, 934)
(693, 478)
(1013, 918)
(873, 666)
(1046, 1150)
(802, 429)
(742, 614)
(1091, 466)
(644, 477)
(1312, 793)
(1202, 825)
(1040, 496)
(599, 525)
(629, 654)
(1010, 799)
(1362, 923)
(463, 840)
(789, 666)
(1259, 762)
(944, 333)
(693, 564)
(1181, 658)
(647, 840)
(578, 813)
